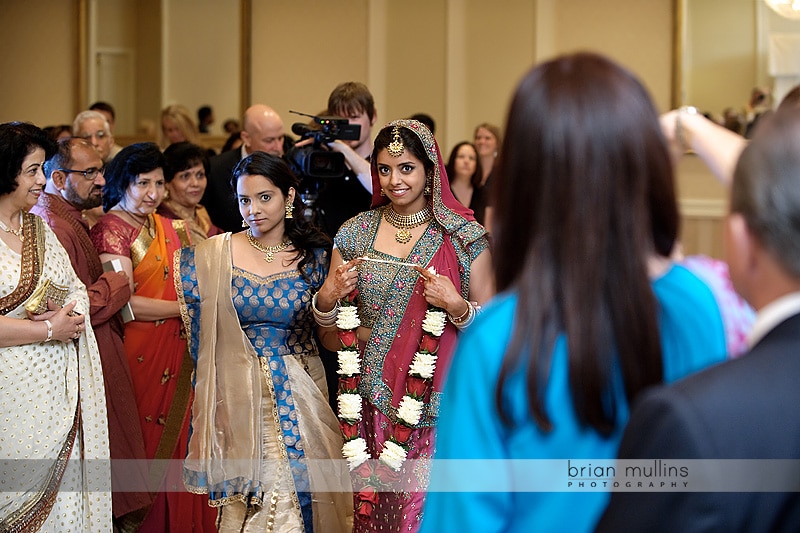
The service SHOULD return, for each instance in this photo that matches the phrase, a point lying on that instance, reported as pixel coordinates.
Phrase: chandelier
(785, 8)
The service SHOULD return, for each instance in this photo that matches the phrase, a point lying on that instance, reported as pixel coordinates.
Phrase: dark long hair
(582, 159)
(17, 141)
(304, 235)
(139, 158)
(477, 176)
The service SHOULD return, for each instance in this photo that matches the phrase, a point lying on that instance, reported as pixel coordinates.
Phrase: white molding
(703, 208)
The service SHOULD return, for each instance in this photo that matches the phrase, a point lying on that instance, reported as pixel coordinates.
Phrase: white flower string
(349, 401)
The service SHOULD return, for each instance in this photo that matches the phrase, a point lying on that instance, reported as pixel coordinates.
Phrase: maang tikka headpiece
(396, 147)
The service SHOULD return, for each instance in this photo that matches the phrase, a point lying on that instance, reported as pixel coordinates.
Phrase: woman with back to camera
(465, 173)
(144, 243)
(186, 176)
(591, 310)
(415, 258)
(52, 397)
(258, 372)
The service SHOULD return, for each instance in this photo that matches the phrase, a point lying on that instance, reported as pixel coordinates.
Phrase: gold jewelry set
(405, 223)
(268, 251)
(17, 232)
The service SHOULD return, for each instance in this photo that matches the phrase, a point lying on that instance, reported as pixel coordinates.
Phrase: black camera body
(315, 160)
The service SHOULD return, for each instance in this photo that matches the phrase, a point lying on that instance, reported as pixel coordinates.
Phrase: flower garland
(409, 413)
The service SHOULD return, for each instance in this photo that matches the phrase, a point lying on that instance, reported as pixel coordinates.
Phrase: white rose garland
(409, 412)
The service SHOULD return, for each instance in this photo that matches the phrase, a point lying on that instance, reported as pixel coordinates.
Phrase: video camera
(315, 160)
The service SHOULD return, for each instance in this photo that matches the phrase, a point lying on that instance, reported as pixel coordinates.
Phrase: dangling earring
(289, 209)
(383, 193)
(244, 224)
(427, 191)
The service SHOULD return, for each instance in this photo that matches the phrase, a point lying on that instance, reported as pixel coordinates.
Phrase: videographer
(343, 198)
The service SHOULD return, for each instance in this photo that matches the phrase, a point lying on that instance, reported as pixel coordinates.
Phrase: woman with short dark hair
(52, 398)
(143, 243)
(186, 174)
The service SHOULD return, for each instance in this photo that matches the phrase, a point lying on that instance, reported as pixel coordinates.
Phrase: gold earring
(244, 224)
(427, 191)
(289, 209)
(383, 193)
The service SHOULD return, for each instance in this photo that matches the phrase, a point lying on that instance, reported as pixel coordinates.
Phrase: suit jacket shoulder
(742, 409)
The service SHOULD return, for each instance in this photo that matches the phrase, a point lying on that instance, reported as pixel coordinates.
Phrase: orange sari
(160, 369)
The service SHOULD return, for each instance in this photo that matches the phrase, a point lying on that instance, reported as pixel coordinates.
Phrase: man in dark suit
(746, 408)
(262, 130)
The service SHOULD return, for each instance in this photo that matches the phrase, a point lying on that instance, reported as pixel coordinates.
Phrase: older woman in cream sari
(54, 440)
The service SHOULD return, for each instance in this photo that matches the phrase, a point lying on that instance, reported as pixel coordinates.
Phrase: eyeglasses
(89, 175)
(100, 135)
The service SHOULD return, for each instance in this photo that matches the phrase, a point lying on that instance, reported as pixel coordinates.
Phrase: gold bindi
(396, 148)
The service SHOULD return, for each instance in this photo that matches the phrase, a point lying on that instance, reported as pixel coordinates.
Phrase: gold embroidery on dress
(33, 246)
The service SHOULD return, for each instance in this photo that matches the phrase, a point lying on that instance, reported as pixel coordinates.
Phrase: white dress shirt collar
(773, 314)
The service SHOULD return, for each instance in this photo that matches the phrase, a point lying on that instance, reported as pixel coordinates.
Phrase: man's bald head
(262, 130)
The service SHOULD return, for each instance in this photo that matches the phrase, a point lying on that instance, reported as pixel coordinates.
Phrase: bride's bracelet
(326, 319)
(466, 317)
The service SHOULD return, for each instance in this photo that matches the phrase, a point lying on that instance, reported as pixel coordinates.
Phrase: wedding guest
(54, 435)
(186, 174)
(177, 126)
(247, 302)
(591, 310)
(144, 242)
(75, 181)
(743, 410)
(487, 141)
(465, 172)
(93, 126)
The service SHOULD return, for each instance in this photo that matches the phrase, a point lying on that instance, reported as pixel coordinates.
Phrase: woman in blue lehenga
(265, 444)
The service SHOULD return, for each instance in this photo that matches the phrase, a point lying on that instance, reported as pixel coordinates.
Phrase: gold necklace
(404, 223)
(268, 251)
(17, 232)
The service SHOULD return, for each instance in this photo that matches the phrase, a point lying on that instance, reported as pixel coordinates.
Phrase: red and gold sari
(391, 303)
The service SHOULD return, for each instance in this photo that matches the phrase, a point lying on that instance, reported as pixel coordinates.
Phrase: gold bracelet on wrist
(49, 331)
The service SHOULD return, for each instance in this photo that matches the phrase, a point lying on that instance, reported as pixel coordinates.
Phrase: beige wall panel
(500, 49)
(39, 61)
(415, 60)
(721, 62)
(117, 22)
(201, 66)
(636, 33)
(302, 50)
(148, 63)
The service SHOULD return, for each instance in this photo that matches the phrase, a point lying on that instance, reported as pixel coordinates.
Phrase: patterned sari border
(33, 514)
(33, 247)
